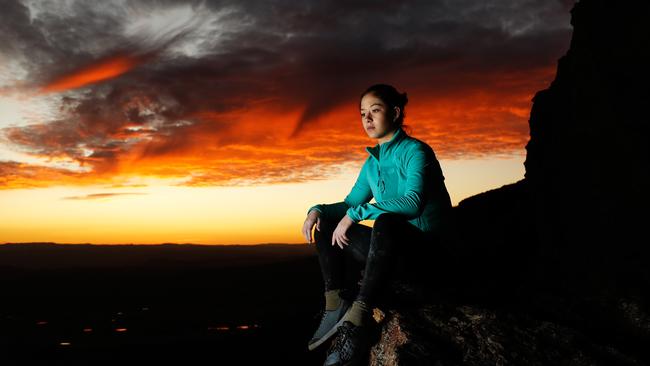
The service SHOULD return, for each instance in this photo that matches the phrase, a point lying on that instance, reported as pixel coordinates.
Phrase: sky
(222, 122)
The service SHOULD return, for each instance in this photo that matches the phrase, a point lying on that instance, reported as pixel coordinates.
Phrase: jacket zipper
(382, 185)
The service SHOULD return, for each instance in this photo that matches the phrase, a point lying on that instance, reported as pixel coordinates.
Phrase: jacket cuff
(353, 215)
(318, 208)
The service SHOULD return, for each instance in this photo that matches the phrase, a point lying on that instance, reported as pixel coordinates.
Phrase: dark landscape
(153, 304)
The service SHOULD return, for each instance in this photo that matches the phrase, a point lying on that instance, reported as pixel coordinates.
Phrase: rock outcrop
(553, 269)
(441, 334)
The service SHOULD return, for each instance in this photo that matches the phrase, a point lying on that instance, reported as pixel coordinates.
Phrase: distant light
(246, 326)
(42, 322)
(88, 330)
(120, 329)
(65, 343)
(219, 328)
(145, 309)
(119, 313)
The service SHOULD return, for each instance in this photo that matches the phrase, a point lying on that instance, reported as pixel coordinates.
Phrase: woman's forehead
(369, 100)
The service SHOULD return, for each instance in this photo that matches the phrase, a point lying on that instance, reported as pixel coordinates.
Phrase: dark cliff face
(588, 159)
(553, 269)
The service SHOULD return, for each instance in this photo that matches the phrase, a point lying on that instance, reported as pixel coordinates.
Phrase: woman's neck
(387, 137)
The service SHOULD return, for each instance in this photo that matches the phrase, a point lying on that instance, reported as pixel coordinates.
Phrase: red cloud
(104, 69)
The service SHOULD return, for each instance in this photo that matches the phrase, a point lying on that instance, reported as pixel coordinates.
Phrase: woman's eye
(375, 110)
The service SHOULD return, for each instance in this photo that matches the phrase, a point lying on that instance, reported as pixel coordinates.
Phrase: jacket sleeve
(360, 193)
(411, 204)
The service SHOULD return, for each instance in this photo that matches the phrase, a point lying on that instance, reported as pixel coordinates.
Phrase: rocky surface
(471, 335)
(552, 270)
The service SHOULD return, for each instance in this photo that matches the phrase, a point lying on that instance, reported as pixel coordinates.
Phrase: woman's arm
(359, 194)
(411, 204)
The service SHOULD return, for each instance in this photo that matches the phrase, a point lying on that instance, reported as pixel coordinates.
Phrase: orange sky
(161, 141)
(247, 166)
(256, 142)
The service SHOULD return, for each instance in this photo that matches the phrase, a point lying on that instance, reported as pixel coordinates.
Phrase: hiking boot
(329, 322)
(350, 347)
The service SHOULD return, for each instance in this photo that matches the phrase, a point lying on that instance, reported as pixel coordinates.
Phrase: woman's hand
(338, 237)
(313, 217)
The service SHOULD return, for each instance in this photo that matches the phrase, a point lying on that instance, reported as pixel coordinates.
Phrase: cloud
(262, 92)
(99, 71)
(22, 175)
(95, 196)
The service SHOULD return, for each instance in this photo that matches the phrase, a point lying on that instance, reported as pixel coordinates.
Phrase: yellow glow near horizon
(204, 215)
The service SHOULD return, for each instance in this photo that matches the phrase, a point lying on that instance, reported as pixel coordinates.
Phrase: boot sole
(328, 335)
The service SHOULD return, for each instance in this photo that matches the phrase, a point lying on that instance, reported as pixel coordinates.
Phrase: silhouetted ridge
(588, 156)
(50, 255)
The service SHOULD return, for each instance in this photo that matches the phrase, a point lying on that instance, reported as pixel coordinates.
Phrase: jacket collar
(374, 151)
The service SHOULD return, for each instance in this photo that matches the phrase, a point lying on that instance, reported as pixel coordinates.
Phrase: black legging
(391, 244)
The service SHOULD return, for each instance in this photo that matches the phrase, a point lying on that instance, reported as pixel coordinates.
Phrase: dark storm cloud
(311, 55)
(55, 41)
(314, 41)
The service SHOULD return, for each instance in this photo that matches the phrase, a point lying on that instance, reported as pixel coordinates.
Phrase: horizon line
(144, 244)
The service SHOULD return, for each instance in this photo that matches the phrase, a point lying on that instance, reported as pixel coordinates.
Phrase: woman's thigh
(400, 242)
(406, 239)
(399, 233)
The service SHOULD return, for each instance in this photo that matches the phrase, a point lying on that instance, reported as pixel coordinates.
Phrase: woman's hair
(392, 98)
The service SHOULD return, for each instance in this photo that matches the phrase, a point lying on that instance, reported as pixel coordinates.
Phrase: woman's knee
(327, 224)
(324, 235)
(389, 228)
(388, 220)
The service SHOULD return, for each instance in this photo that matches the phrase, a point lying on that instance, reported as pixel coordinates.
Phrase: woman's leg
(393, 240)
(338, 266)
(340, 274)
(392, 236)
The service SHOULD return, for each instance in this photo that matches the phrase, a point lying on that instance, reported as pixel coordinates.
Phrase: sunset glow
(186, 125)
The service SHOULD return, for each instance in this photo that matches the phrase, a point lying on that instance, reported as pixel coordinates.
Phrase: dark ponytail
(392, 98)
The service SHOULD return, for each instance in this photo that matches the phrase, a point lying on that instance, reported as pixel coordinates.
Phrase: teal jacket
(404, 177)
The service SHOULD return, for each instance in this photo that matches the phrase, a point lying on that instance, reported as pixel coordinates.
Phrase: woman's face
(377, 119)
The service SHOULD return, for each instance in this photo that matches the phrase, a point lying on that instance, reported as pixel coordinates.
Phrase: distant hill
(52, 255)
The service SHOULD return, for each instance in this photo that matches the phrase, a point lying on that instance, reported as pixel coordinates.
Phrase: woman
(411, 205)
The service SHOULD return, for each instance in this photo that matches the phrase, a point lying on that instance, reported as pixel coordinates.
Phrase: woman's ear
(396, 112)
